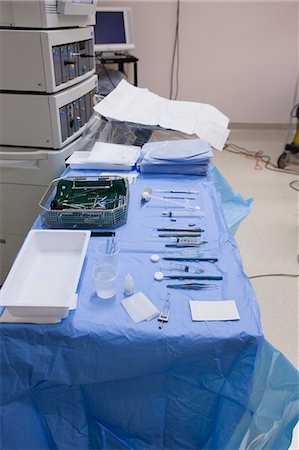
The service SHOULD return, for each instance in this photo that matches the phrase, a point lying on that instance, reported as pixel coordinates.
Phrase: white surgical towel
(139, 307)
(214, 310)
(105, 152)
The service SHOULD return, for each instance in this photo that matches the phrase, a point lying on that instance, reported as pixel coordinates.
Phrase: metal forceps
(164, 314)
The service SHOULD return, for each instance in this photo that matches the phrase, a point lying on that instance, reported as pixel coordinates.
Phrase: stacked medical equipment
(189, 157)
(46, 92)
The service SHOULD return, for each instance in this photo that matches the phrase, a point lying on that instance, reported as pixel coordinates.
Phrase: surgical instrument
(180, 234)
(186, 242)
(182, 213)
(164, 314)
(65, 205)
(199, 230)
(178, 241)
(194, 286)
(185, 245)
(165, 191)
(159, 276)
(102, 233)
(181, 267)
(147, 195)
(178, 198)
(110, 246)
(193, 258)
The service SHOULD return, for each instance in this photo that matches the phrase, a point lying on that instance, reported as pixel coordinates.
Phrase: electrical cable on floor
(274, 275)
(177, 52)
(175, 55)
(259, 156)
(294, 185)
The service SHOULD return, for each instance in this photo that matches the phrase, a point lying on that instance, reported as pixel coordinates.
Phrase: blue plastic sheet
(235, 207)
(99, 381)
(185, 169)
(180, 151)
(273, 407)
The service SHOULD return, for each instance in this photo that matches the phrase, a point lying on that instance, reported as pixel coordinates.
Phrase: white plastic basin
(43, 279)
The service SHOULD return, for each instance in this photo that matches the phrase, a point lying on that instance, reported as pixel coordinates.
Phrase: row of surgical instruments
(179, 238)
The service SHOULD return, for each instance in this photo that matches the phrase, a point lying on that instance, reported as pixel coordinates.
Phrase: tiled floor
(268, 237)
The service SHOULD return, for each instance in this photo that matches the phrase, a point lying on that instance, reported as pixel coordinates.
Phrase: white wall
(241, 56)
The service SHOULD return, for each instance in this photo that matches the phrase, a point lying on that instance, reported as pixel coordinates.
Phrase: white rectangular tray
(44, 277)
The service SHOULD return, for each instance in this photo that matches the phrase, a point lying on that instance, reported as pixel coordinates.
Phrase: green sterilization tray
(85, 202)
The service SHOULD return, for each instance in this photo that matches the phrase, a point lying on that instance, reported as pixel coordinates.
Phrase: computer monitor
(113, 30)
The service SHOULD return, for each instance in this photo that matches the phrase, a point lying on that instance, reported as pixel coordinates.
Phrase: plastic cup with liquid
(105, 278)
(107, 251)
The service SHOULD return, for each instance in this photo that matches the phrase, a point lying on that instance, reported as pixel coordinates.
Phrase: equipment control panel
(72, 60)
(46, 120)
(46, 60)
(75, 114)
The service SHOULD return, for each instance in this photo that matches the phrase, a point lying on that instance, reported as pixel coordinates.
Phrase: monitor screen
(113, 30)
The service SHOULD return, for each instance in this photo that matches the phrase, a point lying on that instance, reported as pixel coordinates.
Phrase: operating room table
(98, 380)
